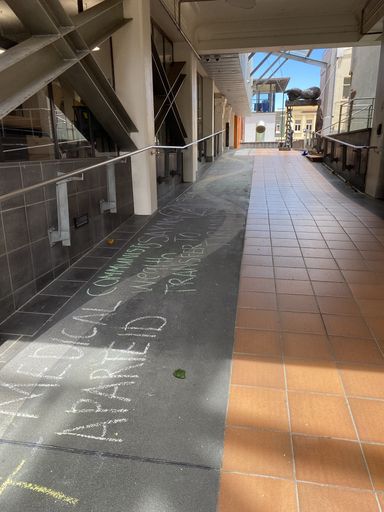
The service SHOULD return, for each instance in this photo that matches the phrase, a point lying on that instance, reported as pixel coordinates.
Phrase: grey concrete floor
(91, 415)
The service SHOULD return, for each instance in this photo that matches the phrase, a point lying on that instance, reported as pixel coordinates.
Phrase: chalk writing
(168, 255)
(103, 425)
(119, 366)
(10, 481)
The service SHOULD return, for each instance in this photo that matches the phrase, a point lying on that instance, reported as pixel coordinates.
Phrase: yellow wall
(303, 115)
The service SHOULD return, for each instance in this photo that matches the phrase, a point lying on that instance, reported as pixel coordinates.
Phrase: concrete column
(208, 116)
(133, 75)
(187, 104)
(220, 104)
(375, 174)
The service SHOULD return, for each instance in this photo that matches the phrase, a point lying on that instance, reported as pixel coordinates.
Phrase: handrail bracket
(110, 205)
(63, 232)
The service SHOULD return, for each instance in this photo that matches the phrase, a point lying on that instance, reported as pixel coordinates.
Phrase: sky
(302, 75)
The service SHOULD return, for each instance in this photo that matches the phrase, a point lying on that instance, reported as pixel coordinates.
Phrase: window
(297, 126)
(309, 126)
(347, 86)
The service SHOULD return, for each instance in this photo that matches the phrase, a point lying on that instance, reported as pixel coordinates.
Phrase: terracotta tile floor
(305, 421)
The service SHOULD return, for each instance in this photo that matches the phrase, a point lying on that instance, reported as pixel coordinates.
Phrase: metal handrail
(343, 143)
(83, 170)
(24, 148)
(346, 117)
(353, 100)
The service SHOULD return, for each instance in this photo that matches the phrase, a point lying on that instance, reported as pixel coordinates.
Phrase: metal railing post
(370, 116)
(110, 204)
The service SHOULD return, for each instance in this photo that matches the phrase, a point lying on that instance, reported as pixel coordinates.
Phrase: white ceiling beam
(280, 34)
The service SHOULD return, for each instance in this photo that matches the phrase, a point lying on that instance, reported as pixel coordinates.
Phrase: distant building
(261, 126)
(335, 85)
(348, 86)
(304, 121)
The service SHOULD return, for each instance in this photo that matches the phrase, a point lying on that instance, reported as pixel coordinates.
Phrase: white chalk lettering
(43, 373)
(80, 336)
(104, 373)
(46, 353)
(80, 431)
(91, 406)
(108, 292)
(112, 390)
(127, 354)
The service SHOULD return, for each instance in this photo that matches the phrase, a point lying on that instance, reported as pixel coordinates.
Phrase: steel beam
(28, 76)
(270, 67)
(260, 64)
(259, 81)
(298, 58)
(36, 16)
(61, 45)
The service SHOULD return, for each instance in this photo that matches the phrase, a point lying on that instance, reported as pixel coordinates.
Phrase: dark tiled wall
(27, 262)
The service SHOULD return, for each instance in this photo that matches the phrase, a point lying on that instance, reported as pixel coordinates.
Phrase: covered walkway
(91, 414)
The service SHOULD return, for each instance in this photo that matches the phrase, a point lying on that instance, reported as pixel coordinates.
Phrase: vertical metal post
(370, 112)
(62, 234)
(351, 106)
(340, 117)
(111, 203)
(62, 202)
(111, 187)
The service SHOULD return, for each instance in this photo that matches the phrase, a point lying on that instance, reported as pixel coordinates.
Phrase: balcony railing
(355, 114)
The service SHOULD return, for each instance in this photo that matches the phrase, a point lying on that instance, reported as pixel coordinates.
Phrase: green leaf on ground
(179, 374)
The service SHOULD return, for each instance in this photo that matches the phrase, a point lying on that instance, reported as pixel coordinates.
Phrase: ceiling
(220, 26)
(223, 29)
(227, 73)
